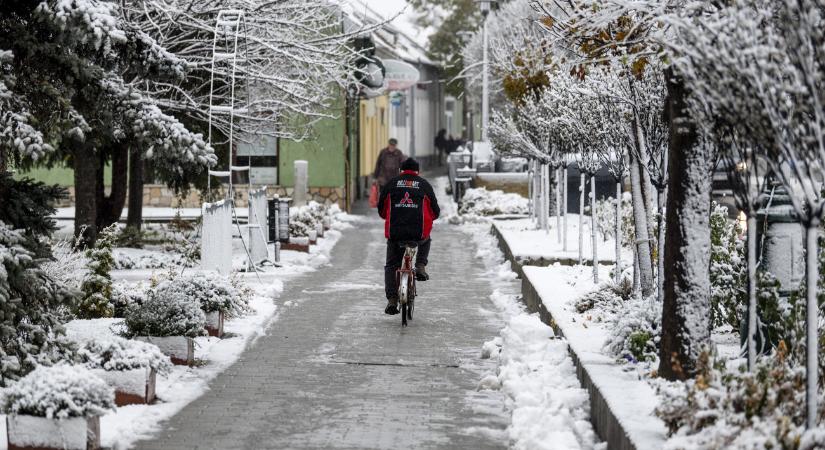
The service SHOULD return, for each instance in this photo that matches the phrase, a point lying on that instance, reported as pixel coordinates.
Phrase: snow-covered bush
(124, 295)
(728, 269)
(67, 265)
(608, 297)
(305, 219)
(166, 312)
(481, 202)
(97, 285)
(635, 333)
(59, 392)
(731, 408)
(117, 353)
(29, 325)
(212, 293)
(174, 256)
(606, 217)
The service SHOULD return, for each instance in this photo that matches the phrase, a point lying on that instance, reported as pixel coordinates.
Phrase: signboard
(258, 145)
(263, 175)
(400, 75)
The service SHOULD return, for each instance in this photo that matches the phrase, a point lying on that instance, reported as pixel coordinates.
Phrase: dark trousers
(395, 257)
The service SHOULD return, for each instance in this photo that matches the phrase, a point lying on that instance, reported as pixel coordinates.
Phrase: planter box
(132, 387)
(180, 349)
(298, 244)
(313, 237)
(39, 433)
(214, 323)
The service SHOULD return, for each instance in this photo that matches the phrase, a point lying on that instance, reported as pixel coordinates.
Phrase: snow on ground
(549, 408)
(121, 429)
(527, 242)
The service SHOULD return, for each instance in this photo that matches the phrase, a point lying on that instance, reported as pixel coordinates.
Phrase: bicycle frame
(405, 279)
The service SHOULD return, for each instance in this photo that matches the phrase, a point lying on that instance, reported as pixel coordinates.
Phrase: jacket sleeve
(378, 163)
(433, 200)
(382, 197)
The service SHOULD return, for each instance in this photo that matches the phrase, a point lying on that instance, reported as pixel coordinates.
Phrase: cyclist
(408, 206)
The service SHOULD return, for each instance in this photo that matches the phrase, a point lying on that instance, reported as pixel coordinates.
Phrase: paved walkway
(335, 372)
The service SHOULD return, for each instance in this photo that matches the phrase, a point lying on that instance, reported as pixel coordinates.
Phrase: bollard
(301, 183)
(283, 219)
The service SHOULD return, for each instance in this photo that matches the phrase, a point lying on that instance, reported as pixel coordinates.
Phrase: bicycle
(405, 277)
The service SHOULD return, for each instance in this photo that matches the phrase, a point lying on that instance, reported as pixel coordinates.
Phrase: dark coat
(408, 206)
(388, 165)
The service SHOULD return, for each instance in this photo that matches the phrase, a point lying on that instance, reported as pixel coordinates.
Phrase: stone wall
(160, 196)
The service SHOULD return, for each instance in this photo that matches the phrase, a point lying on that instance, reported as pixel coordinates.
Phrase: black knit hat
(410, 164)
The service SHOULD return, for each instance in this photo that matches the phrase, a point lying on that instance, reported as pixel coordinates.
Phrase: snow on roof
(399, 37)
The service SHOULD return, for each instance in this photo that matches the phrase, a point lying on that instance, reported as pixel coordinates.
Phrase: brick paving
(335, 372)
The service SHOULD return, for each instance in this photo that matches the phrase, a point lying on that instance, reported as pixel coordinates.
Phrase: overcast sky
(389, 8)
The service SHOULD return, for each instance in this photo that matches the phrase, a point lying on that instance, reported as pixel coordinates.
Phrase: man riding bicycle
(408, 206)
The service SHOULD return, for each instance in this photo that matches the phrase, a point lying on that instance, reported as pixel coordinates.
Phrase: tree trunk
(3, 164)
(811, 321)
(636, 284)
(564, 207)
(545, 200)
(86, 164)
(660, 257)
(593, 223)
(685, 312)
(645, 263)
(558, 203)
(134, 218)
(582, 188)
(751, 291)
(110, 208)
(618, 233)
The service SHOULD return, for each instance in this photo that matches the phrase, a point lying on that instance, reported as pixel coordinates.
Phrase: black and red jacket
(408, 206)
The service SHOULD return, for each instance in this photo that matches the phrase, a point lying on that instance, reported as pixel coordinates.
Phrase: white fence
(258, 227)
(216, 241)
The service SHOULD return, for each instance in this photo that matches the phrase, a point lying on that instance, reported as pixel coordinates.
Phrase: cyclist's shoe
(421, 273)
(391, 309)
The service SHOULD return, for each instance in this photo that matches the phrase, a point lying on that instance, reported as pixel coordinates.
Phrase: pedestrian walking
(388, 164)
(440, 143)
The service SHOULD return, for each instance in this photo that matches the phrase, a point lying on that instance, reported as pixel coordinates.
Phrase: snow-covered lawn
(182, 385)
(526, 242)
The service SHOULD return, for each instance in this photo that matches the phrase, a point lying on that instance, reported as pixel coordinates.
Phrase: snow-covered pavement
(335, 372)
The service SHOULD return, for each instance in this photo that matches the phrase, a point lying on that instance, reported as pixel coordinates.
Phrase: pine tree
(29, 309)
(97, 285)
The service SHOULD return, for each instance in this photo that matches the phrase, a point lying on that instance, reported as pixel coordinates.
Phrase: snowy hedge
(481, 202)
(304, 219)
(212, 293)
(166, 312)
(117, 353)
(59, 392)
(125, 295)
(31, 322)
(732, 409)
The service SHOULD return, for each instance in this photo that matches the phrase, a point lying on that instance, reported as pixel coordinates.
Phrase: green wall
(325, 152)
(62, 176)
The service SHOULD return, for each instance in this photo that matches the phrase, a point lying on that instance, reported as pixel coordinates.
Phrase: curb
(590, 368)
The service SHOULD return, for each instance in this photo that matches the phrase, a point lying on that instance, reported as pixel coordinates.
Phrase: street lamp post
(485, 6)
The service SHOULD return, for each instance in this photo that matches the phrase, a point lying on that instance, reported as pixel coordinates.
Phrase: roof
(390, 39)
